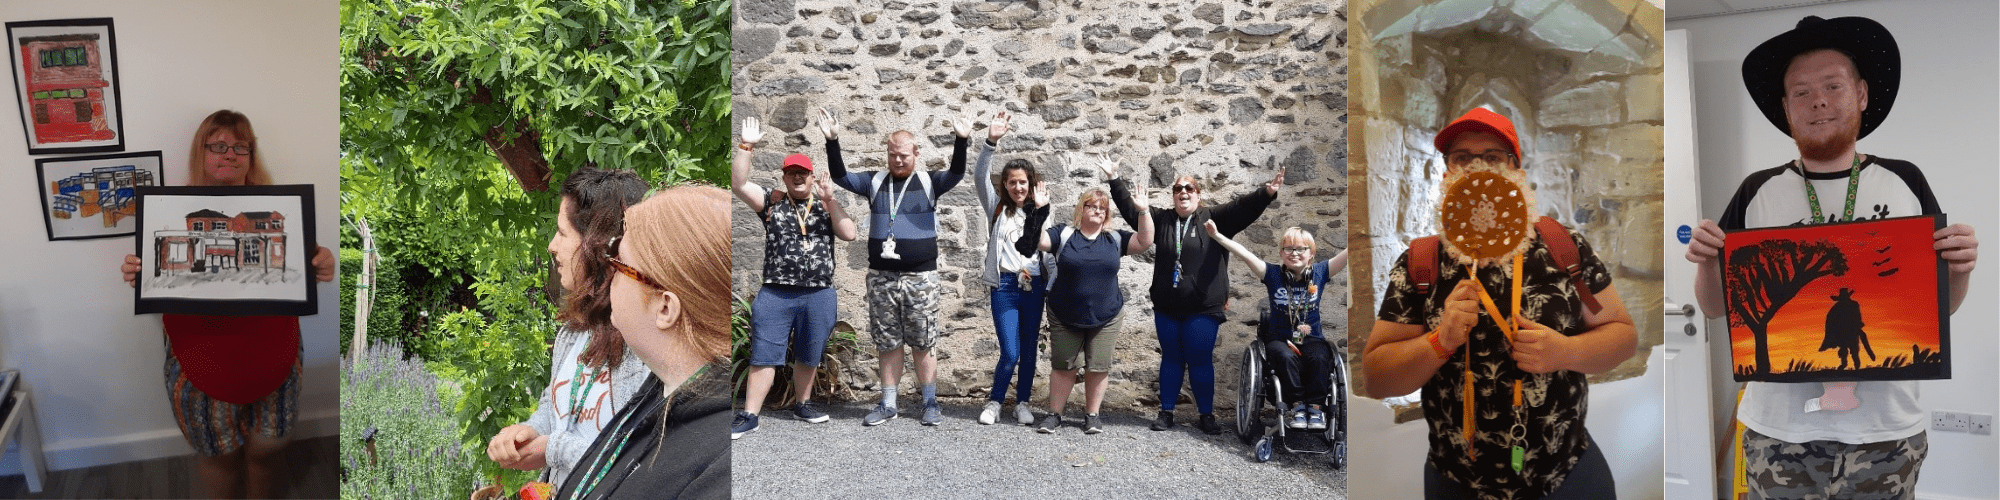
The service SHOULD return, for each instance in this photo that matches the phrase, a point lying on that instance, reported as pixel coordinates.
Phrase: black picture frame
(74, 72)
(78, 189)
(187, 266)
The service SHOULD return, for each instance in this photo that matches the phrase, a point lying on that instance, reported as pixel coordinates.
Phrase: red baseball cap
(1479, 120)
(238, 359)
(799, 161)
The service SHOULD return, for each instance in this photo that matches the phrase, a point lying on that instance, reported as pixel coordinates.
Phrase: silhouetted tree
(1760, 279)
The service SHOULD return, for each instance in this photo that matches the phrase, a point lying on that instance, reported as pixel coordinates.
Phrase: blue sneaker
(743, 424)
(932, 416)
(882, 413)
(809, 412)
(1300, 419)
(1315, 419)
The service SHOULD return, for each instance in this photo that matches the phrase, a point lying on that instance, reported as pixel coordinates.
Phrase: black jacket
(1204, 283)
(688, 457)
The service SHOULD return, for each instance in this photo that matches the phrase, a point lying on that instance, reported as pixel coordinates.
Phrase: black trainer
(1166, 421)
(1208, 425)
(1092, 424)
(1048, 424)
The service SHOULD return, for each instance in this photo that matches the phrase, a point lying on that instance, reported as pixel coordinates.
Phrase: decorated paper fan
(1488, 214)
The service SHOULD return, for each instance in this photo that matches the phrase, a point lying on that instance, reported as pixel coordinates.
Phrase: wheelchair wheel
(1336, 411)
(1249, 395)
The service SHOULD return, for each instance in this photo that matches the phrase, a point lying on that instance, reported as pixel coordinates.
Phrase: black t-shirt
(1556, 402)
(797, 255)
(1085, 293)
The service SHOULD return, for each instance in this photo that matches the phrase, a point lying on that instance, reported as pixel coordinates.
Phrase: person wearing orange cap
(797, 305)
(1828, 83)
(1531, 446)
(233, 380)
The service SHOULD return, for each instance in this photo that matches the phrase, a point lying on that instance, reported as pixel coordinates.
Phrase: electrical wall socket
(1950, 421)
(1981, 424)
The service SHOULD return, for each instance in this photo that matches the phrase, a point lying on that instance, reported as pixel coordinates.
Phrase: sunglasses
(627, 269)
(1180, 188)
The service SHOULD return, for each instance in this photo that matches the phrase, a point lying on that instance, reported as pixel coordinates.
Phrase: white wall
(1624, 418)
(1943, 120)
(65, 316)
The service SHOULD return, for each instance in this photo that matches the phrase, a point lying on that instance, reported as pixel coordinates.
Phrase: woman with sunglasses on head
(1014, 277)
(1084, 301)
(233, 380)
(1190, 285)
(591, 373)
(670, 301)
(1300, 355)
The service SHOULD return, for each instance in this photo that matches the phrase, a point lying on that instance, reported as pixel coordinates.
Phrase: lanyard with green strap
(1853, 186)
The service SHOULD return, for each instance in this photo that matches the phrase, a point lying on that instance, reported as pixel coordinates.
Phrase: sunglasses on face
(1186, 188)
(627, 269)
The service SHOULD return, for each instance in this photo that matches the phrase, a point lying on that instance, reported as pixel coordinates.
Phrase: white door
(1689, 462)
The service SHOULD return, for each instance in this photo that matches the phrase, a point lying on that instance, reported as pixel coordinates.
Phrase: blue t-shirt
(1085, 294)
(1293, 302)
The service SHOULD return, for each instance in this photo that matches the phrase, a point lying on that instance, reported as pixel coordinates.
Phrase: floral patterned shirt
(1553, 436)
(795, 257)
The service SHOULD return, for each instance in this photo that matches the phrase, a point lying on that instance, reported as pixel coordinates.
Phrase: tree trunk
(1763, 348)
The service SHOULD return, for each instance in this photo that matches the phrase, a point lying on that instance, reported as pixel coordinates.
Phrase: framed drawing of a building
(226, 251)
(66, 81)
(1862, 300)
(94, 196)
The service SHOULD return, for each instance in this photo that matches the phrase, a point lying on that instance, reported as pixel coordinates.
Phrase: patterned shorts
(903, 309)
(1822, 470)
(215, 427)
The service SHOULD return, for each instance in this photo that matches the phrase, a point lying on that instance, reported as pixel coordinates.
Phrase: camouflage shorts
(903, 309)
(1822, 470)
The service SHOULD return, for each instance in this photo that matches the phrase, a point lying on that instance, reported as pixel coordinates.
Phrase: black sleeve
(1231, 218)
(1914, 178)
(1120, 193)
(1031, 231)
(834, 167)
(951, 177)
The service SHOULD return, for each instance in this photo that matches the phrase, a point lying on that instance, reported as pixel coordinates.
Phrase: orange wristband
(1443, 353)
(745, 145)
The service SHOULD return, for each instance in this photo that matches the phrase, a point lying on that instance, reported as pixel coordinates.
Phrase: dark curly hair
(598, 199)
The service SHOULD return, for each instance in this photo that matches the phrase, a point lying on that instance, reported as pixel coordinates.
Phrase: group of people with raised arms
(1069, 270)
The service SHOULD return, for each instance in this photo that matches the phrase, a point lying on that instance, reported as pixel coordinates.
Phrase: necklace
(1853, 185)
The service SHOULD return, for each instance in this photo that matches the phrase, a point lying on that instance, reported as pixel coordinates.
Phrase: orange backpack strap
(1562, 248)
(1423, 263)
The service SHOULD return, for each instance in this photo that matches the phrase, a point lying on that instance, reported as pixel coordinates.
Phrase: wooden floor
(315, 462)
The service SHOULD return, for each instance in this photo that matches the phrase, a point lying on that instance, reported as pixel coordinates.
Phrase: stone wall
(1229, 92)
(1582, 84)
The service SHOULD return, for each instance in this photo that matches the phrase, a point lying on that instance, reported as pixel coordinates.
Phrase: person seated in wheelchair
(1300, 357)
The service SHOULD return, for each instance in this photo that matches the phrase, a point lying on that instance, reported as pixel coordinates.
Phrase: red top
(237, 359)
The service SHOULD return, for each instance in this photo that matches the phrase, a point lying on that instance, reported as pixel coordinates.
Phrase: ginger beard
(1831, 146)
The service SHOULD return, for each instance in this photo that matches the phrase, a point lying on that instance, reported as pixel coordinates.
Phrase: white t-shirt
(1777, 197)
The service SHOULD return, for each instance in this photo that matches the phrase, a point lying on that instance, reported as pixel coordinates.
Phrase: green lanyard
(587, 381)
(602, 464)
(1853, 185)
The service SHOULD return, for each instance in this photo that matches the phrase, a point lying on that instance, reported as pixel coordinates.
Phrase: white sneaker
(991, 413)
(1023, 414)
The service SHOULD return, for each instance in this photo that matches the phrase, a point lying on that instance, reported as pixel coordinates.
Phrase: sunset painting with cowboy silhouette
(1853, 301)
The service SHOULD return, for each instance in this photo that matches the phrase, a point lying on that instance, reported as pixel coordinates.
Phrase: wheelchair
(1259, 385)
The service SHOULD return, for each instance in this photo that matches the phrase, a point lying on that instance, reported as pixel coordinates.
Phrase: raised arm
(829, 130)
(843, 227)
(1251, 263)
(1337, 263)
(739, 166)
(1232, 217)
(1120, 190)
(1144, 238)
(1032, 236)
(982, 178)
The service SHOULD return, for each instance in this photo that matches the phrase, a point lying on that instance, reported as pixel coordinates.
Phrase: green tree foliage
(456, 120)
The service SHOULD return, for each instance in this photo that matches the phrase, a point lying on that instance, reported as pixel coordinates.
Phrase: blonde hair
(1300, 235)
(680, 238)
(904, 137)
(1086, 198)
(238, 125)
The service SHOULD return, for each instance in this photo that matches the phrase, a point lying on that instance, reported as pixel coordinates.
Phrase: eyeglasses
(1462, 159)
(219, 148)
(1097, 207)
(1299, 250)
(1179, 188)
(627, 269)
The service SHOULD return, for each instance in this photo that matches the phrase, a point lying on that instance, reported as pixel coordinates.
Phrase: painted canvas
(94, 196)
(1838, 302)
(227, 251)
(66, 79)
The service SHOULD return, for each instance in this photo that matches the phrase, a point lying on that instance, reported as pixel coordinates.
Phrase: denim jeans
(1187, 347)
(1017, 319)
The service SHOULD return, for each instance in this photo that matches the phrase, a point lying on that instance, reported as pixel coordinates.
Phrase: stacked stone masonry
(1229, 92)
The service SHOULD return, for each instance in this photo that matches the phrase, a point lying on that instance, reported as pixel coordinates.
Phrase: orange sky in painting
(1892, 327)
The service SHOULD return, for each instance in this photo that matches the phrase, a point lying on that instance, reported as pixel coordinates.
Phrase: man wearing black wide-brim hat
(1827, 83)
